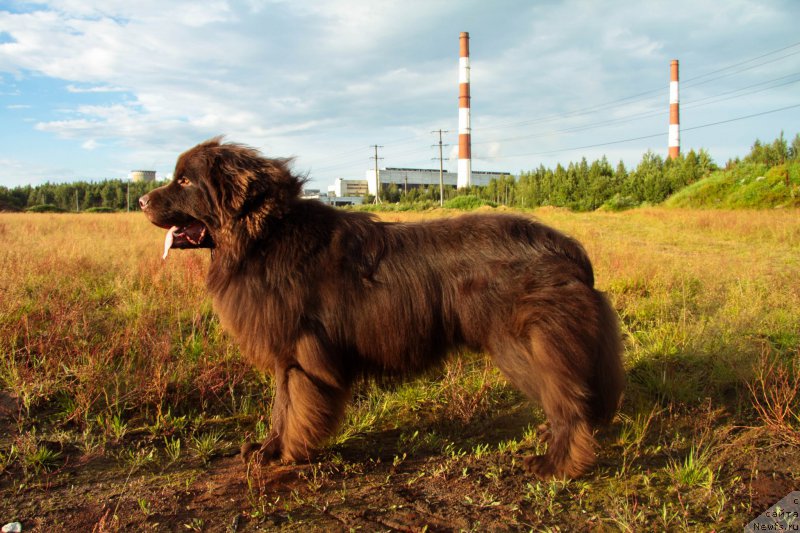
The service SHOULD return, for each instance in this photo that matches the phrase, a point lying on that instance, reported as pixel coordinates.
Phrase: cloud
(90, 144)
(319, 79)
(95, 89)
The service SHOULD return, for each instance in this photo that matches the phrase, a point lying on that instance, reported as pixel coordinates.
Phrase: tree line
(581, 186)
(585, 186)
(77, 196)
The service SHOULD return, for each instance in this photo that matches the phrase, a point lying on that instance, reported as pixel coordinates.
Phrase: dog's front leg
(271, 448)
(309, 403)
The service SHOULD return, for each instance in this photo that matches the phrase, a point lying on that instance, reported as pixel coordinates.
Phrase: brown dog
(320, 297)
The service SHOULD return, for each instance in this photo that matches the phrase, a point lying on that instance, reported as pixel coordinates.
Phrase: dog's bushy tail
(608, 380)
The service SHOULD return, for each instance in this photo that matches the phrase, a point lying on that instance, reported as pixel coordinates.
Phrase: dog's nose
(144, 201)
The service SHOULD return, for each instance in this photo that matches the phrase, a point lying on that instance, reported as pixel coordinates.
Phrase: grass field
(123, 404)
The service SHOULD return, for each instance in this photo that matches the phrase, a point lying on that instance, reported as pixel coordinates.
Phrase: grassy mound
(745, 186)
(468, 202)
(45, 208)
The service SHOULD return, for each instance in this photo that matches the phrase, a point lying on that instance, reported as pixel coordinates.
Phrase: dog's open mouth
(193, 235)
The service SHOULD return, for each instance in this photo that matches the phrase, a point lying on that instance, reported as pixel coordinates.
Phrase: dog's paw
(540, 467)
(262, 453)
(544, 433)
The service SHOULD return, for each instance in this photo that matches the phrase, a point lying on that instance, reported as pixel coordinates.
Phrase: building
(331, 199)
(348, 187)
(420, 177)
(142, 175)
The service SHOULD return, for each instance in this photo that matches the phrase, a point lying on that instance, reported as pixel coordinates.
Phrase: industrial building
(331, 198)
(420, 177)
(348, 187)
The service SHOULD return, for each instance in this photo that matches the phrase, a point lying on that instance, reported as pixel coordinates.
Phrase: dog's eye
(183, 182)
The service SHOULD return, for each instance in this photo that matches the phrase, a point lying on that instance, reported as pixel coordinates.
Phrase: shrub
(45, 208)
(619, 203)
(468, 202)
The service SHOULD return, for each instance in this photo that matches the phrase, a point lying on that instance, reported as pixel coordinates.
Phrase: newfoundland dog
(320, 297)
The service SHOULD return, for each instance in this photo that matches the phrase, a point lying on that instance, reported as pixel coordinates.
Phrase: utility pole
(77, 206)
(441, 166)
(377, 176)
(128, 196)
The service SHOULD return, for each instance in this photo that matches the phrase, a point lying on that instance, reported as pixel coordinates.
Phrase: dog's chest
(253, 321)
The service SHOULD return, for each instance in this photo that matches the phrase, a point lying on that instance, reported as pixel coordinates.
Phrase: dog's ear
(250, 186)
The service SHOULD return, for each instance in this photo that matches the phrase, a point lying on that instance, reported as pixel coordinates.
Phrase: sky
(93, 89)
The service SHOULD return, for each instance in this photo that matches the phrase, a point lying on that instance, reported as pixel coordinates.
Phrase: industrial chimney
(674, 112)
(464, 140)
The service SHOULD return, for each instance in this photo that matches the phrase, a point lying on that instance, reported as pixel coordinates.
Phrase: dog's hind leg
(562, 395)
(549, 350)
(570, 443)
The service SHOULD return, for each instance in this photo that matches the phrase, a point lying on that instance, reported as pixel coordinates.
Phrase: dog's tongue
(168, 240)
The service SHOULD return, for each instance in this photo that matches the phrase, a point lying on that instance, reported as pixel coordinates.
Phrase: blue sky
(91, 90)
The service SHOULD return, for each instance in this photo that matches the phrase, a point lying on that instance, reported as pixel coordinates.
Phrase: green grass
(745, 186)
(122, 397)
(467, 203)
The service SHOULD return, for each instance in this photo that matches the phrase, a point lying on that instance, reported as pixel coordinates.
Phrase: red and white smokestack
(464, 130)
(674, 112)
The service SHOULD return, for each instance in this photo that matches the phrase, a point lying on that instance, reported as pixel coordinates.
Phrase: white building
(420, 177)
(344, 187)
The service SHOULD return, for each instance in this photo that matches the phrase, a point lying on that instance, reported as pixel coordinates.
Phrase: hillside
(745, 185)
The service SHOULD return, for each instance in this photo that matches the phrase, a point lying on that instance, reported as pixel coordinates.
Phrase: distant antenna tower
(464, 130)
(377, 175)
(674, 112)
(441, 166)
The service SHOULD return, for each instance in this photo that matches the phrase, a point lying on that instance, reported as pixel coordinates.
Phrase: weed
(136, 458)
(315, 479)
(205, 445)
(261, 430)
(40, 459)
(89, 444)
(362, 416)
(195, 524)
(634, 430)
(7, 458)
(260, 503)
(776, 394)
(693, 471)
(144, 507)
(480, 450)
(172, 447)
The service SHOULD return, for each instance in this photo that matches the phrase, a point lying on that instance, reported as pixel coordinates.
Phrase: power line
(659, 90)
(741, 118)
(739, 71)
(742, 62)
(652, 135)
(695, 103)
(648, 114)
(641, 96)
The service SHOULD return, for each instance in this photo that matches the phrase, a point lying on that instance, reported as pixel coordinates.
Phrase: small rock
(12, 527)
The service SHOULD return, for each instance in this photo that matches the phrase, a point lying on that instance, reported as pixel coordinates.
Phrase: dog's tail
(608, 379)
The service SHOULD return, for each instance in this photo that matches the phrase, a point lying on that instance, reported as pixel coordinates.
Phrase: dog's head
(220, 192)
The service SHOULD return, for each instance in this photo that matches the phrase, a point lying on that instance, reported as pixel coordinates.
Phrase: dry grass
(108, 352)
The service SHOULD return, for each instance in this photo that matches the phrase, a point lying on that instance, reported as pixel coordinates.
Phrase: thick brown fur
(321, 297)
